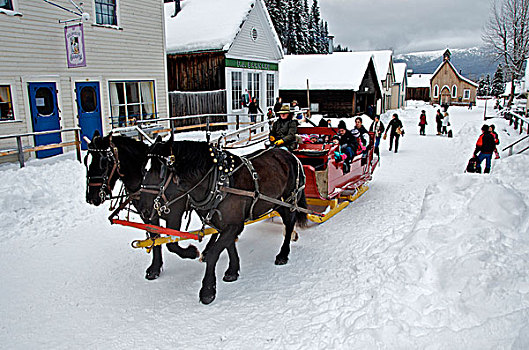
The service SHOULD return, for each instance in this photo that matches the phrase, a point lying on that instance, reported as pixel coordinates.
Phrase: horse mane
(192, 158)
(136, 149)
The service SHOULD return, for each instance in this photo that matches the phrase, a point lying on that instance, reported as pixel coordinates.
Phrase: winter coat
(253, 108)
(496, 138)
(349, 140)
(423, 120)
(438, 118)
(393, 125)
(446, 119)
(377, 128)
(285, 129)
(363, 131)
(486, 143)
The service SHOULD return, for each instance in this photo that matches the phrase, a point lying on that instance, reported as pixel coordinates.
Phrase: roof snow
(204, 24)
(419, 80)
(381, 59)
(337, 71)
(400, 72)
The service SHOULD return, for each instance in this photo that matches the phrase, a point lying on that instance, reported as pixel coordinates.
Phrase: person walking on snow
(484, 149)
(439, 121)
(496, 140)
(395, 127)
(446, 123)
(422, 123)
(378, 128)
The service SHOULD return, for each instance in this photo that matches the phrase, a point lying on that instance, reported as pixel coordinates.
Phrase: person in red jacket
(422, 123)
(496, 140)
(484, 148)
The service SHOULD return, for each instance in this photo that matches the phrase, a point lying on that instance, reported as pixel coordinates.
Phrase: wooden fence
(198, 103)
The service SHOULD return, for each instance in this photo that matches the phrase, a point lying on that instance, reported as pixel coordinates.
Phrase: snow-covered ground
(430, 257)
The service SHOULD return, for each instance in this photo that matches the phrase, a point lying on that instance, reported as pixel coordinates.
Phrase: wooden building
(448, 86)
(418, 88)
(342, 83)
(106, 69)
(386, 75)
(398, 90)
(227, 45)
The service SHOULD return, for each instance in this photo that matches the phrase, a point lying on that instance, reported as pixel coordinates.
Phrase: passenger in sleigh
(350, 145)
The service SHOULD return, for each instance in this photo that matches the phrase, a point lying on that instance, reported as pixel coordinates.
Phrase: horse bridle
(109, 154)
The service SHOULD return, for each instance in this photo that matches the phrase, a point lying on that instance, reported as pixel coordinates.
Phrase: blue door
(89, 108)
(45, 116)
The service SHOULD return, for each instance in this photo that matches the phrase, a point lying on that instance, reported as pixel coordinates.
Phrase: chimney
(330, 40)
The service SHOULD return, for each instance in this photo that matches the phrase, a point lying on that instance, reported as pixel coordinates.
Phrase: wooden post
(237, 122)
(20, 151)
(77, 145)
(171, 126)
(308, 99)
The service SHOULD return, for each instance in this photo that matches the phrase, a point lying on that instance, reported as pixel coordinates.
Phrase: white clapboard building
(107, 74)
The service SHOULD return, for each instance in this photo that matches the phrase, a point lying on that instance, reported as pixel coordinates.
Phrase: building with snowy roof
(102, 69)
(338, 83)
(227, 46)
(448, 86)
(398, 93)
(418, 86)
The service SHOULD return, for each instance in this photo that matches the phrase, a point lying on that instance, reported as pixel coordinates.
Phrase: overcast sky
(406, 25)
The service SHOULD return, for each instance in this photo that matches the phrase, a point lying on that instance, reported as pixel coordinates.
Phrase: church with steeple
(448, 86)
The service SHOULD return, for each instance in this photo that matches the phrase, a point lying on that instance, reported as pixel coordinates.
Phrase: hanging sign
(74, 39)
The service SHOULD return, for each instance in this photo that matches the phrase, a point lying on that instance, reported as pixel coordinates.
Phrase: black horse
(224, 190)
(120, 157)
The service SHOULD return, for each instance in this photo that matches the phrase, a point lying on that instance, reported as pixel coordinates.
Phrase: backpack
(450, 133)
(471, 166)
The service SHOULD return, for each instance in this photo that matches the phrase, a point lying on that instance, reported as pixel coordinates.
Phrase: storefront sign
(230, 62)
(74, 39)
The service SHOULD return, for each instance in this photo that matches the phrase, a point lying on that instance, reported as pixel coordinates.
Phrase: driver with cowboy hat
(283, 131)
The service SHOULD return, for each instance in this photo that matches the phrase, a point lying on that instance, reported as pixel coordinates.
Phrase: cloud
(405, 25)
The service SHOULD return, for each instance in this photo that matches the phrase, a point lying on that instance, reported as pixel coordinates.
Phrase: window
(131, 101)
(270, 90)
(436, 91)
(236, 90)
(454, 91)
(253, 85)
(6, 103)
(105, 12)
(6, 5)
(466, 94)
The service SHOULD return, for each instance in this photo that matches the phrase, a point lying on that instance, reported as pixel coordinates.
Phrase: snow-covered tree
(507, 36)
(498, 86)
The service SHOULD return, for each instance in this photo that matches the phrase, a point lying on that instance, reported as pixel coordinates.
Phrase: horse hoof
(207, 296)
(192, 252)
(281, 261)
(230, 277)
(152, 275)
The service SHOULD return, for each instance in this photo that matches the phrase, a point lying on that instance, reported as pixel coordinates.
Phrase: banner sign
(74, 39)
(230, 62)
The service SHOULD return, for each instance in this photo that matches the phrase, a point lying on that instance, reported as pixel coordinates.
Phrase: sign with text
(74, 39)
(230, 62)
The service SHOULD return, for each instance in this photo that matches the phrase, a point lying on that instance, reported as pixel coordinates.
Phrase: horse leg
(227, 237)
(232, 273)
(173, 221)
(289, 220)
(211, 242)
(153, 271)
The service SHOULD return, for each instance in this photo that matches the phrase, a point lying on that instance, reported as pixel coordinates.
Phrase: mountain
(473, 62)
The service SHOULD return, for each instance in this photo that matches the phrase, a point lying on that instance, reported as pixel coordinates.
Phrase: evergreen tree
(498, 86)
(481, 87)
(487, 85)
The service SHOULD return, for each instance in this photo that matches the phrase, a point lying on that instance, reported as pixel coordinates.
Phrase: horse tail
(301, 218)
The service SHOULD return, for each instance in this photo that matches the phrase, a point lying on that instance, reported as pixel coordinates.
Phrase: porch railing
(20, 149)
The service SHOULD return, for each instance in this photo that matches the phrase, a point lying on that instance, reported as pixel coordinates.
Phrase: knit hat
(341, 125)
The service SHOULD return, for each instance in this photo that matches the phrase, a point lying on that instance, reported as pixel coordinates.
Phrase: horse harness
(220, 177)
(109, 154)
